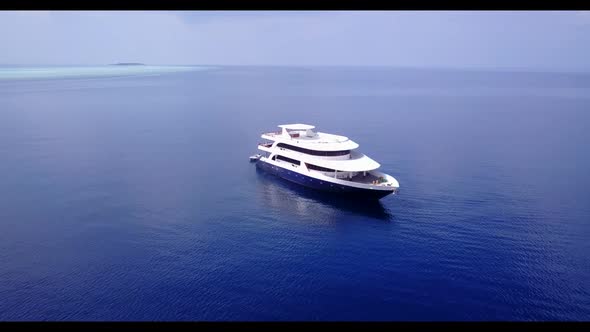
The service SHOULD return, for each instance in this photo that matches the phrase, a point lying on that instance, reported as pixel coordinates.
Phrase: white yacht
(323, 161)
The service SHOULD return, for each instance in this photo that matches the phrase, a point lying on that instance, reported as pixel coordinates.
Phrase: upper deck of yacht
(304, 136)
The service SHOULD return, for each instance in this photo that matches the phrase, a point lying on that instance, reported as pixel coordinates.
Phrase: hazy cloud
(454, 39)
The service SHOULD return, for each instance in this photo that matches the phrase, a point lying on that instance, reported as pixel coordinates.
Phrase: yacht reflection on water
(274, 194)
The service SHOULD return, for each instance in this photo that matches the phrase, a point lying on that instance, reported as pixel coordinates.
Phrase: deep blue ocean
(132, 197)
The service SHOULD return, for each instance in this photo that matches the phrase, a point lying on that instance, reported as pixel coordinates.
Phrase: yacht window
(289, 160)
(319, 168)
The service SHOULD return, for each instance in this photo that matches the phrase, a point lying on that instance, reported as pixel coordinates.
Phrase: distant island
(128, 64)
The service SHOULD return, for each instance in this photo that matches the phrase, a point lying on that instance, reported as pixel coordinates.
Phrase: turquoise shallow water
(47, 72)
(132, 197)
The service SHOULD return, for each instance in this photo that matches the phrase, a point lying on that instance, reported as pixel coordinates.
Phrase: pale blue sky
(549, 40)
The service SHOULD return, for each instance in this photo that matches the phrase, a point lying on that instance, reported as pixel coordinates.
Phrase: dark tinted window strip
(319, 168)
(292, 161)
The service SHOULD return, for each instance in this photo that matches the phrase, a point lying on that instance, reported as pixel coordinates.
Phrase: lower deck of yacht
(365, 179)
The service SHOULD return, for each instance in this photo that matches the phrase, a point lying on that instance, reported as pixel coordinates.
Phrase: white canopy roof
(296, 126)
(345, 144)
(319, 142)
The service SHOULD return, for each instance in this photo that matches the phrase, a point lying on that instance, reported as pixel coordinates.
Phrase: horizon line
(432, 67)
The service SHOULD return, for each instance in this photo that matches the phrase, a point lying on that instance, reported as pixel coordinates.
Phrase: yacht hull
(316, 184)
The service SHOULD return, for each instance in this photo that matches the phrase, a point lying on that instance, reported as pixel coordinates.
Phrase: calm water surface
(132, 198)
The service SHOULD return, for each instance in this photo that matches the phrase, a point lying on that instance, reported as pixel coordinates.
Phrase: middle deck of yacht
(357, 162)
